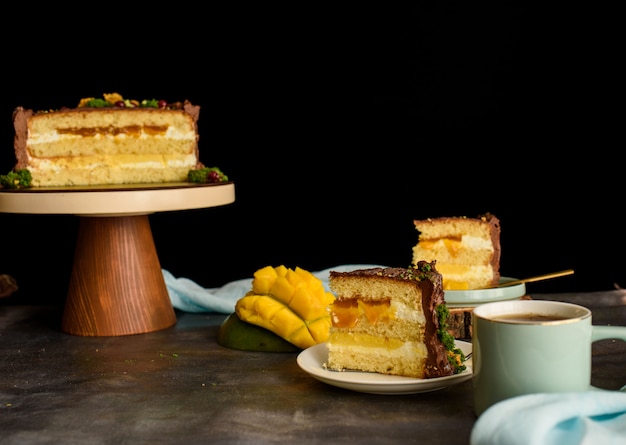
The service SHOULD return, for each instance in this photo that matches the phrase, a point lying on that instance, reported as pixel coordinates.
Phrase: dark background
(340, 126)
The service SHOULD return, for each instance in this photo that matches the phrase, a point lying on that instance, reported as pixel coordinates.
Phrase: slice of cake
(391, 321)
(467, 250)
(108, 141)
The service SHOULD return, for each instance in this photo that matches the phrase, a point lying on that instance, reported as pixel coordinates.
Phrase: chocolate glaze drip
(20, 123)
(494, 224)
(194, 111)
(437, 363)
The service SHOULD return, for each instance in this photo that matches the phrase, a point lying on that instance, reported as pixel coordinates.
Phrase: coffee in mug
(532, 346)
(527, 318)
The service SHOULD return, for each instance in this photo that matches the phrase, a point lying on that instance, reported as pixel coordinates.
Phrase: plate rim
(486, 295)
(380, 383)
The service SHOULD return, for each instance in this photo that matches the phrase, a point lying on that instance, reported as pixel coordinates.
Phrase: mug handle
(607, 333)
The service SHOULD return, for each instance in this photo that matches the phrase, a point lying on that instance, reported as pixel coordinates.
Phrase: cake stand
(117, 285)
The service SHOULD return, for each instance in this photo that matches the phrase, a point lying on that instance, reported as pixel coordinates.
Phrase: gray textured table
(179, 386)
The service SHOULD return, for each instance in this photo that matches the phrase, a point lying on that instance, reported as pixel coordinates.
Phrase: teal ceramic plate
(479, 296)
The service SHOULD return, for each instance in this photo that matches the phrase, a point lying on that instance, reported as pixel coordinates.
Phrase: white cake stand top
(118, 200)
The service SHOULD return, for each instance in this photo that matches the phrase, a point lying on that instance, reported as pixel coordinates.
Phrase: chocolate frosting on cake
(433, 295)
(494, 222)
(20, 123)
(194, 111)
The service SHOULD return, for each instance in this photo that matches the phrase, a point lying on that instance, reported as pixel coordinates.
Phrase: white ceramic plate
(479, 296)
(312, 360)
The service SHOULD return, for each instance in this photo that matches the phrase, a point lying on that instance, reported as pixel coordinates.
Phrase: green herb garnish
(16, 179)
(206, 174)
(455, 355)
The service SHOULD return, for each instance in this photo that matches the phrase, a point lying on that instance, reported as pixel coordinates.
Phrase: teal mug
(532, 346)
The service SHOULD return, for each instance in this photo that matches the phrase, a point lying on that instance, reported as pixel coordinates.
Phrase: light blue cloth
(595, 417)
(186, 295)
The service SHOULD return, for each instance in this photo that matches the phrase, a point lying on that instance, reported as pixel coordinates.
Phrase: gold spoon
(532, 279)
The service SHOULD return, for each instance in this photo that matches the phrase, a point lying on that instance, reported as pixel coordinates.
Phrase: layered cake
(108, 141)
(391, 321)
(467, 250)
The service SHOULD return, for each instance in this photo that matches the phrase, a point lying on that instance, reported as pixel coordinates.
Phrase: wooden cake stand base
(117, 286)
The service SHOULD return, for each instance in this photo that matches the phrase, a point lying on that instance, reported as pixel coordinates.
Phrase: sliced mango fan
(292, 303)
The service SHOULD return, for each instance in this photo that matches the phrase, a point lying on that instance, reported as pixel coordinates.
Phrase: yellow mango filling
(129, 130)
(455, 285)
(364, 340)
(346, 313)
(453, 245)
(447, 269)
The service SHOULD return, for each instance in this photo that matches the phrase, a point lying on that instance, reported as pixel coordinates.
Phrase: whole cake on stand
(108, 141)
(112, 162)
